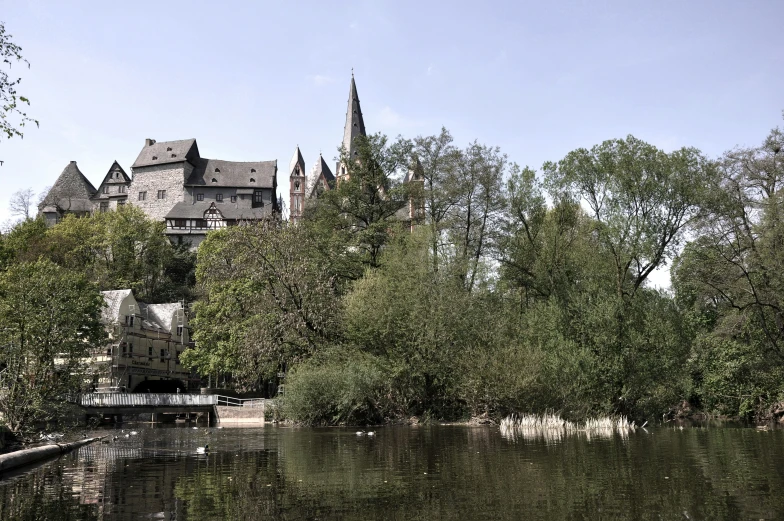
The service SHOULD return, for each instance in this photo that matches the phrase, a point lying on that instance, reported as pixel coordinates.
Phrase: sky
(252, 80)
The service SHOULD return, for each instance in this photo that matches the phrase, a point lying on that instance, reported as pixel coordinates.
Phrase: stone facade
(167, 180)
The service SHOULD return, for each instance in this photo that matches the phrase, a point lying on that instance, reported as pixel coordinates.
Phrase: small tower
(355, 126)
(296, 186)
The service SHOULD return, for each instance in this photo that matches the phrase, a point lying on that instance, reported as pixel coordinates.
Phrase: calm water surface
(437, 472)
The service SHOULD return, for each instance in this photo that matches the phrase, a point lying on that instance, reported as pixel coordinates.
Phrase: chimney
(149, 142)
(73, 162)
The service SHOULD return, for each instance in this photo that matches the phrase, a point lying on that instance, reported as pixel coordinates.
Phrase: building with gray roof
(71, 193)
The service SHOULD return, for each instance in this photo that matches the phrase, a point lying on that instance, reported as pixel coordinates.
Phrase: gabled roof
(112, 302)
(112, 180)
(297, 160)
(355, 123)
(252, 174)
(155, 153)
(158, 316)
(71, 192)
(320, 169)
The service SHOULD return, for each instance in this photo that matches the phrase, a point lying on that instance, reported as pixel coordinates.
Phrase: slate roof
(233, 173)
(112, 301)
(186, 210)
(160, 153)
(355, 123)
(319, 169)
(71, 192)
(158, 316)
(297, 159)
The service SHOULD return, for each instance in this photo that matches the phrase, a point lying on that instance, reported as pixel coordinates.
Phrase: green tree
(730, 279)
(362, 207)
(641, 198)
(268, 300)
(49, 320)
(12, 115)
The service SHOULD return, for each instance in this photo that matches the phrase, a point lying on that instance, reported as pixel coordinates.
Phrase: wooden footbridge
(223, 409)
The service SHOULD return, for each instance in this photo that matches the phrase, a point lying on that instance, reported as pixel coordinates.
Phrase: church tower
(296, 186)
(355, 126)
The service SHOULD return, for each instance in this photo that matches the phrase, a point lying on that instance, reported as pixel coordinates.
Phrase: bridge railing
(163, 400)
(145, 399)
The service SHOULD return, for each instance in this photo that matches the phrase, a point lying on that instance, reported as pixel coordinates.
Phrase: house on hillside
(145, 344)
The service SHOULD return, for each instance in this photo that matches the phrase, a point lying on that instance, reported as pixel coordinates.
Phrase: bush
(336, 388)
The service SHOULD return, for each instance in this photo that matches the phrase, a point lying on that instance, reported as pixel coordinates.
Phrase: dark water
(439, 472)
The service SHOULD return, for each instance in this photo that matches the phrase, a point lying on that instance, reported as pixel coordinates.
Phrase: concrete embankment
(27, 456)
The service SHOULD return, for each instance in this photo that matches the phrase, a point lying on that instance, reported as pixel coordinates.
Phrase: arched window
(296, 185)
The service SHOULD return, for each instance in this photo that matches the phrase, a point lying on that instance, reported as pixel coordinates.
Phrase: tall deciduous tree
(267, 300)
(363, 205)
(640, 197)
(21, 203)
(49, 320)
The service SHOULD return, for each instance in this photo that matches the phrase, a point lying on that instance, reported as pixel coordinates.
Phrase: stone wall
(151, 179)
(245, 415)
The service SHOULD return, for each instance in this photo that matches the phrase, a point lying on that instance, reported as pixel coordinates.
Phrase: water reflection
(446, 472)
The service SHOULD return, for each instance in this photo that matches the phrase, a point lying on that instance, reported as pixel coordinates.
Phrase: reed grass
(552, 428)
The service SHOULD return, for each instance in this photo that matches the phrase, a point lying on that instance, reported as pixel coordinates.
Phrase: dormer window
(214, 180)
(168, 149)
(174, 155)
(217, 170)
(154, 158)
(252, 179)
(252, 170)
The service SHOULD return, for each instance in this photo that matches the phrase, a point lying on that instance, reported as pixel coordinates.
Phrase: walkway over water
(218, 406)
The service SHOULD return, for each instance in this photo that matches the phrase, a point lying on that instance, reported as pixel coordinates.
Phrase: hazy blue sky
(251, 80)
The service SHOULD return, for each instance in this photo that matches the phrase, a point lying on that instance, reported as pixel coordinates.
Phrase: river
(421, 472)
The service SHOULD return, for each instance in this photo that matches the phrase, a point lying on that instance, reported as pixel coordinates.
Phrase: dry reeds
(552, 428)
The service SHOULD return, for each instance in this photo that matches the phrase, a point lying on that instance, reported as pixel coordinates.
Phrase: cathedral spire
(355, 124)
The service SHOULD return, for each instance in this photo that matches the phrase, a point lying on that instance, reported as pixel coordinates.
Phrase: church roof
(319, 169)
(297, 160)
(251, 174)
(160, 153)
(71, 192)
(355, 124)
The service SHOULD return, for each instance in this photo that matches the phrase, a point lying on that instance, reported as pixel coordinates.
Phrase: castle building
(171, 182)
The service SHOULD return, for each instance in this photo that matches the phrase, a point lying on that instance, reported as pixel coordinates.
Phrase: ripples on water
(438, 472)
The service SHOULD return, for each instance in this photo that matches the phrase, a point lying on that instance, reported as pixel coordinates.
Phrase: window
(130, 348)
(103, 207)
(180, 223)
(217, 169)
(142, 196)
(174, 155)
(149, 353)
(252, 170)
(154, 158)
(199, 197)
(117, 175)
(258, 200)
(296, 185)
(106, 189)
(168, 149)
(219, 198)
(163, 355)
(161, 194)
(252, 179)
(233, 198)
(177, 360)
(200, 223)
(121, 189)
(129, 320)
(125, 350)
(214, 180)
(120, 203)
(179, 330)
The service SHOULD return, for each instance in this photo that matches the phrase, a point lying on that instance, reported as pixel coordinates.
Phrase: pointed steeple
(320, 178)
(355, 124)
(297, 160)
(296, 186)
